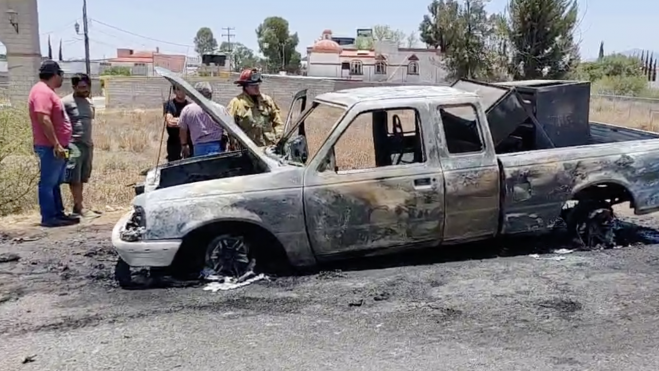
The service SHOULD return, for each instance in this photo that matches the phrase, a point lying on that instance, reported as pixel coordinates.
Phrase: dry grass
(128, 142)
(644, 116)
(125, 144)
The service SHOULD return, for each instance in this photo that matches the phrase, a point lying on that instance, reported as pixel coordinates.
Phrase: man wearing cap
(256, 113)
(51, 131)
(204, 132)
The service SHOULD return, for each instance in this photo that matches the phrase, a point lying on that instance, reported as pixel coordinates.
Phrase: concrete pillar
(23, 49)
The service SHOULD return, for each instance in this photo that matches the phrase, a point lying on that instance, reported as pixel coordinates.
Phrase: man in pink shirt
(51, 131)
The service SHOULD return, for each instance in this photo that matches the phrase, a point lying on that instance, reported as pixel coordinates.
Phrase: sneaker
(57, 222)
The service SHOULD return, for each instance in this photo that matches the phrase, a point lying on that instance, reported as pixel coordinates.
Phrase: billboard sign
(364, 32)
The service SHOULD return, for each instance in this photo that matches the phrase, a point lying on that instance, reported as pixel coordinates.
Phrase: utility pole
(85, 28)
(229, 35)
(85, 31)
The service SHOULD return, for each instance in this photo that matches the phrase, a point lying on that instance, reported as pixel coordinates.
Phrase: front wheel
(228, 255)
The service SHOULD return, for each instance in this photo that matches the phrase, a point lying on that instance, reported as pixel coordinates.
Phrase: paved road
(591, 311)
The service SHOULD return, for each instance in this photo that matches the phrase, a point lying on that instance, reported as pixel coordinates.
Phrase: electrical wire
(141, 36)
(119, 38)
(69, 24)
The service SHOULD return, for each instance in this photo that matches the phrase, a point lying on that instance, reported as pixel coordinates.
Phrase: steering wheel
(399, 138)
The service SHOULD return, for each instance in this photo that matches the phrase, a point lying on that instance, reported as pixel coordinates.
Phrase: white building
(385, 62)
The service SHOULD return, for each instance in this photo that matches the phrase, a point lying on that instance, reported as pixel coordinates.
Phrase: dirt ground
(456, 309)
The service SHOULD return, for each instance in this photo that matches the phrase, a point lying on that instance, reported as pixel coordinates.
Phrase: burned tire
(230, 246)
(229, 255)
(122, 274)
(590, 223)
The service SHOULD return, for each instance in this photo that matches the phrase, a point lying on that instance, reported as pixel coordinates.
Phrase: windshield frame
(296, 126)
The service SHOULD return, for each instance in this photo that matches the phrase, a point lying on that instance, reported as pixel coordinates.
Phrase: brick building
(19, 32)
(141, 63)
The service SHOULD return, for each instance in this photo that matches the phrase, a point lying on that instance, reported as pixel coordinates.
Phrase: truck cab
(403, 165)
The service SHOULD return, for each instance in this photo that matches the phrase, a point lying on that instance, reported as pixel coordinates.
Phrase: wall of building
(397, 60)
(143, 69)
(324, 65)
(149, 92)
(23, 48)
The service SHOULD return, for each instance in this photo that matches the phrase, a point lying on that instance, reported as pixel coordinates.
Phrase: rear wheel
(590, 223)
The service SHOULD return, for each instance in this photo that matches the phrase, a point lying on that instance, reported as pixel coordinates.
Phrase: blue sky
(621, 25)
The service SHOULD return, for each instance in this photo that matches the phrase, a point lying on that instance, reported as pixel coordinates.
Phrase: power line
(69, 24)
(141, 36)
(122, 39)
(229, 35)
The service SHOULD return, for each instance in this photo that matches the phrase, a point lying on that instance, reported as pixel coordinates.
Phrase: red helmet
(249, 76)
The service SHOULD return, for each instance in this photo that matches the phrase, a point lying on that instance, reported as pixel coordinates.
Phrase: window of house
(345, 66)
(380, 68)
(413, 68)
(398, 141)
(461, 129)
(356, 68)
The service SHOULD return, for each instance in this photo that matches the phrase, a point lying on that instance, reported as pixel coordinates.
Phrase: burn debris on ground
(9, 257)
(600, 228)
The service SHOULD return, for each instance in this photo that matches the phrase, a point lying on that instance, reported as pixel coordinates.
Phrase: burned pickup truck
(373, 170)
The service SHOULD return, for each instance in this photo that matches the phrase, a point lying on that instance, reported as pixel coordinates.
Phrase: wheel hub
(227, 255)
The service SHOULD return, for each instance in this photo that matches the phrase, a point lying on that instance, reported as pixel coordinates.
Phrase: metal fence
(627, 110)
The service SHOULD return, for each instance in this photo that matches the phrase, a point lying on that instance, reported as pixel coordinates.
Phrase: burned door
(299, 100)
(471, 174)
(362, 196)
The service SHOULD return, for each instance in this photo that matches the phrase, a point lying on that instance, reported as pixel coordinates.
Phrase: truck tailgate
(536, 184)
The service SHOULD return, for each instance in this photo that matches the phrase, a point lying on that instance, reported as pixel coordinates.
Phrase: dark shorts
(79, 166)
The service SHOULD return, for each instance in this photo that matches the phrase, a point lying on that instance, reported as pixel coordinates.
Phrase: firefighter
(256, 113)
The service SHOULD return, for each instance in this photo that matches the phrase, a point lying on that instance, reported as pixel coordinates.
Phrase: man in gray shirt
(81, 111)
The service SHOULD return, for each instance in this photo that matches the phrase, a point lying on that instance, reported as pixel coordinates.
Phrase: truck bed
(607, 133)
(536, 184)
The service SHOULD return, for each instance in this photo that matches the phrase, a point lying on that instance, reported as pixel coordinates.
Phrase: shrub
(19, 172)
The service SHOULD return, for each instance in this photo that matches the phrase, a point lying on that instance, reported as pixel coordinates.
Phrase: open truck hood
(218, 114)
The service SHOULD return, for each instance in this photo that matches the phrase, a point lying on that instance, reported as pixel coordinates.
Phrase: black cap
(50, 66)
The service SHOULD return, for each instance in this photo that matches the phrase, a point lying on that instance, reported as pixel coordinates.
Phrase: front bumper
(143, 253)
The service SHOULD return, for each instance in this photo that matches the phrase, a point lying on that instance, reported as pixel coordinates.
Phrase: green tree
(205, 42)
(542, 38)
(440, 28)
(411, 40)
(616, 74)
(241, 56)
(116, 71)
(382, 32)
(466, 35)
(466, 56)
(601, 53)
(277, 44)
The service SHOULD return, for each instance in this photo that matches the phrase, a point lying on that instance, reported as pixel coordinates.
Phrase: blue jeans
(210, 148)
(52, 170)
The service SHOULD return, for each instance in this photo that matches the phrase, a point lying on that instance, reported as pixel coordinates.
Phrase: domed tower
(324, 59)
(326, 45)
